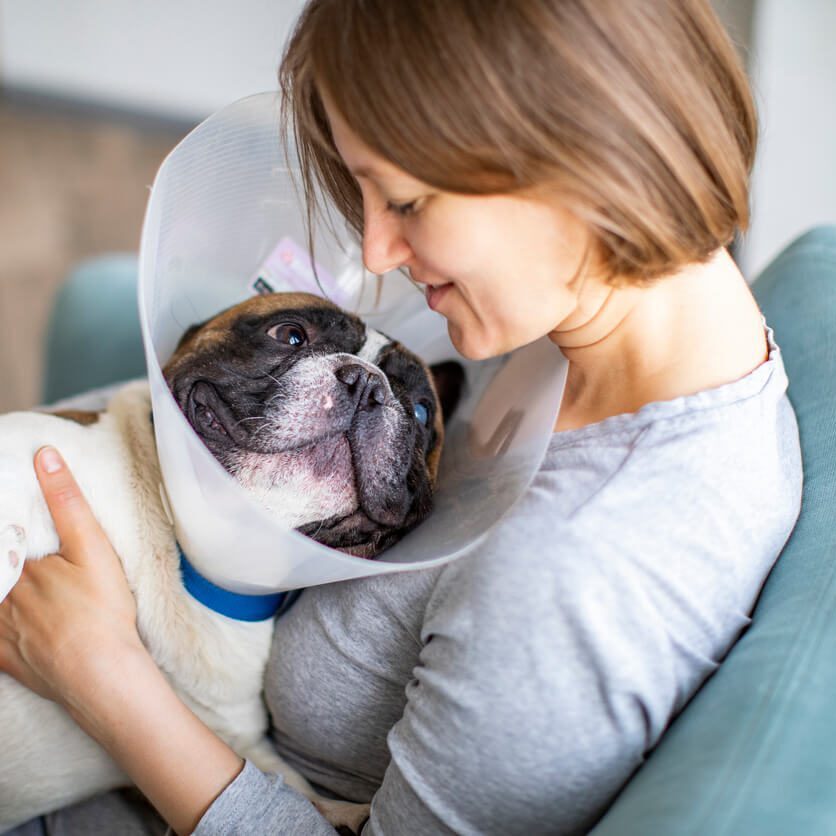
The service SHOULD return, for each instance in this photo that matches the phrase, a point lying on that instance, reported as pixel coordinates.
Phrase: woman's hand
(71, 616)
(68, 631)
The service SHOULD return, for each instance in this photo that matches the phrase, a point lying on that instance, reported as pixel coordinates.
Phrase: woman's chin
(471, 347)
(475, 345)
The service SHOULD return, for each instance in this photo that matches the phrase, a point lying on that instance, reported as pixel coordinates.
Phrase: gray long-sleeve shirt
(516, 689)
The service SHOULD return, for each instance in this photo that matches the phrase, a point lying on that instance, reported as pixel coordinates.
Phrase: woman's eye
(403, 209)
(421, 413)
(288, 334)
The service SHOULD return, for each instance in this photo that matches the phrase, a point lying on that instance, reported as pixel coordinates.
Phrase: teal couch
(755, 751)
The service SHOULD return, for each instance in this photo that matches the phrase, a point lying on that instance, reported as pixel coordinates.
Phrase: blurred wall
(177, 58)
(185, 59)
(793, 69)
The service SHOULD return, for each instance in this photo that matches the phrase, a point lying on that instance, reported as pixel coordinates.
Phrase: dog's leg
(12, 555)
(14, 520)
(345, 816)
(340, 814)
(26, 529)
(264, 756)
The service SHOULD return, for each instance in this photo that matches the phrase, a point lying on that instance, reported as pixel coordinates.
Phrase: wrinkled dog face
(336, 429)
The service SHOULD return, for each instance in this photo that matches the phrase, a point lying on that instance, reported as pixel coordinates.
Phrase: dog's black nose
(364, 385)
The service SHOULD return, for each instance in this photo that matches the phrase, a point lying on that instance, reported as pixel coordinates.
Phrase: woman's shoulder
(739, 438)
(683, 499)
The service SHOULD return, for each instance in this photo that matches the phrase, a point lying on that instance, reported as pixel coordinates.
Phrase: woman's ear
(449, 383)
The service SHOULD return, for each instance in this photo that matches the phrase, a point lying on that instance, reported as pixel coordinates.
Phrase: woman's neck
(628, 346)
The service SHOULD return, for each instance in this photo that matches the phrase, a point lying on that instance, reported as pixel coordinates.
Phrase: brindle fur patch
(80, 416)
(216, 330)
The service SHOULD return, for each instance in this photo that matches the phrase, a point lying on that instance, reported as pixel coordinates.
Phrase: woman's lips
(436, 293)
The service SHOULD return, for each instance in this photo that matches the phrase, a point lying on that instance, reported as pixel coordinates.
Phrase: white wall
(793, 67)
(180, 58)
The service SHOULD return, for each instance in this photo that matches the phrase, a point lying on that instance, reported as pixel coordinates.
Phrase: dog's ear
(449, 383)
(188, 334)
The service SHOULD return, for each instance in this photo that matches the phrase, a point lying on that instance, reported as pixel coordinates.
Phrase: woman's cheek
(445, 246)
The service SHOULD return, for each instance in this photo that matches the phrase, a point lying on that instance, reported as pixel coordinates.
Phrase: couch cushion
(94, 337)
(755, 750)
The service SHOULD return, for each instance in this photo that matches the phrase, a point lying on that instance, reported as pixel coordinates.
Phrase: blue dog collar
(232, 604)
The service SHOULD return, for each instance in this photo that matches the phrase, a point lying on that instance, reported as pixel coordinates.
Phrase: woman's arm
(178, 763)
(68, 631)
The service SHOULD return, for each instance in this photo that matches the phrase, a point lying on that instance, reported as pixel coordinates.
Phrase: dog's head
(335, 428)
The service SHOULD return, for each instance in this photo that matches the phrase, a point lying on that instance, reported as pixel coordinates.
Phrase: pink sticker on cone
(289, 267)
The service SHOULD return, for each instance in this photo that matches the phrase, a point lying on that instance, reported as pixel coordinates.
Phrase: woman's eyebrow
(372, 172)
(381, 178)
(365, 171)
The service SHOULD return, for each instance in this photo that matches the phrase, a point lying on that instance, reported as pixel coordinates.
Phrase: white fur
(215, 664)
(370, 350)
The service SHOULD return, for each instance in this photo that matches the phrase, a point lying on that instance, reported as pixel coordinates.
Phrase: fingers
(74, 521)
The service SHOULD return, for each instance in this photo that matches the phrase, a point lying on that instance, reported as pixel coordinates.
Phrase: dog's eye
(421, 413)
(288, 334)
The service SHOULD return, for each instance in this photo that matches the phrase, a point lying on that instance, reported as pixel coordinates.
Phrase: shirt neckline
(735, 391)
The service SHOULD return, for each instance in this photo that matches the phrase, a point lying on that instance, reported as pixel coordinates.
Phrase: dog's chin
(355, 534)
(313, 489)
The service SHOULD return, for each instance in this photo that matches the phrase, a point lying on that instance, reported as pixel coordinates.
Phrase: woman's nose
(384, 244)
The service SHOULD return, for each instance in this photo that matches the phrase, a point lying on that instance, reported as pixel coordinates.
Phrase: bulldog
(335, 428)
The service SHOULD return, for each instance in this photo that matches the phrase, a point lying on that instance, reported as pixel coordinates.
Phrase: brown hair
(637, 112)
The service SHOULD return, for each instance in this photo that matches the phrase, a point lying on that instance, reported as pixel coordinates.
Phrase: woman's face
(499, 268)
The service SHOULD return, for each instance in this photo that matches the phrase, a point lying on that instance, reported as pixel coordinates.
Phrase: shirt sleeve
(259, 803)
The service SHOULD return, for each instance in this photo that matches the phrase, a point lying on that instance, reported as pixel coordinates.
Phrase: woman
(570, 168)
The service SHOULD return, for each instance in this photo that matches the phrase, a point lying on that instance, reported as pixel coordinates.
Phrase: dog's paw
(345, 816)
(12, 555)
